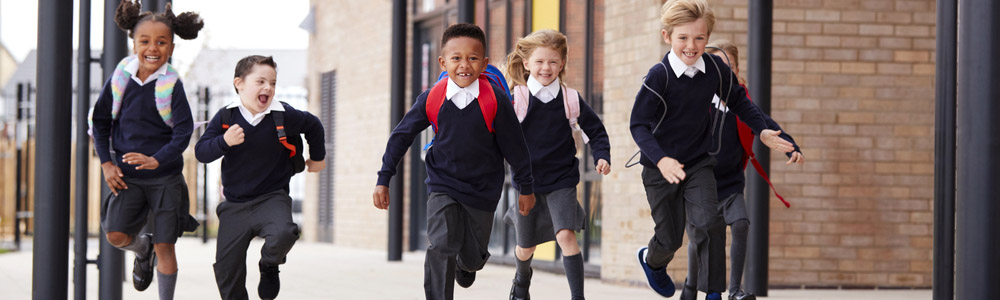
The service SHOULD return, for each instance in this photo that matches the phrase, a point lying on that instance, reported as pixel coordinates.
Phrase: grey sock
(140, 245)
(523, 267)
(574, 274)
(738, 254)
(166, 283)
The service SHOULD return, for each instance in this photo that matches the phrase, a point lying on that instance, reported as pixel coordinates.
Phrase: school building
(853, 82)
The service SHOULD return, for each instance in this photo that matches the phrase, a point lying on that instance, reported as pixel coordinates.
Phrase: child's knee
(164, 249)
(566, 236)
(287, 233)
(741, 226)
(118, 239)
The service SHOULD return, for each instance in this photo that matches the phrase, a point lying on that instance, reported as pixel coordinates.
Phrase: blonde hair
(514, 69)
(676, 12)
(730, 49)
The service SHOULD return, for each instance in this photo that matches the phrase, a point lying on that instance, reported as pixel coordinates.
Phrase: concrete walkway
(323, 271)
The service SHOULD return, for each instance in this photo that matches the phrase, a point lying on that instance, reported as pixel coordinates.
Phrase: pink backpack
(522, 96)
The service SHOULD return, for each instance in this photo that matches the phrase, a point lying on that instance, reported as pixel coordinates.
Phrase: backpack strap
(227, 117)
(571, 102)
(279, 125)
(521, 100)
(487, 101)
(746, 141)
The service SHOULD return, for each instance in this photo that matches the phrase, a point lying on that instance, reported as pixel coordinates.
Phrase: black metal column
(467, 11)
(82, 153)
(19, 190)
(397, 108)
(55, 94)
(111, 260)
(978, 228)
(944, 151)
(588, 92)
(758, 195)
(206, 100)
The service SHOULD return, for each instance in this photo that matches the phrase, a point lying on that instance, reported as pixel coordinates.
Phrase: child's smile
(153, 43)
(256, 89)
(544, 64)
(464, 59)
(688, 40)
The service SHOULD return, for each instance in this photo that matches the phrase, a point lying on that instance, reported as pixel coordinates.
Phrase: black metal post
(21, 163)
(55, 94)
(588, 92)
(467, 11)
(397, 109)
(758, 195)
(977, 265)
(204, 177)
(944, 152)
(82, 153)
(111, 261)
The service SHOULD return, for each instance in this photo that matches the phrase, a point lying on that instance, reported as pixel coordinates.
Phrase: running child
(475, 131)
(141, 125)
(550, 113)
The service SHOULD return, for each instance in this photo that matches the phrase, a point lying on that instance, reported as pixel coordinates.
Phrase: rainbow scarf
(164, 90)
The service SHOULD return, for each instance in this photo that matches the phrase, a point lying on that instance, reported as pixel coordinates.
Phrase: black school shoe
(519, 290)
(464, 278)
(689, 292)
(740, 295)
(142, 268)
(269, 284)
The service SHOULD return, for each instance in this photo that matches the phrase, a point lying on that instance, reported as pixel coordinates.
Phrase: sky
(244, 24)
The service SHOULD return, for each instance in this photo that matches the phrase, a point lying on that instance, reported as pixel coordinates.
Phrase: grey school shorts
(553, 211)
(165, 197)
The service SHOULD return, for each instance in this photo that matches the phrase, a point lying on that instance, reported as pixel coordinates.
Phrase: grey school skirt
(553, 211)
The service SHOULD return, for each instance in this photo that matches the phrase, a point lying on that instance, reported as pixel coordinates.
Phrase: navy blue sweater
(260, 164)
(466, 160)
(729, 175)
(685, 133)
(550, 141)
(139, 128)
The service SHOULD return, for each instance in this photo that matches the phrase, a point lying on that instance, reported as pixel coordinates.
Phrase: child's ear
(666, 37)
(486, 61)
(441, 63)
(238, 83)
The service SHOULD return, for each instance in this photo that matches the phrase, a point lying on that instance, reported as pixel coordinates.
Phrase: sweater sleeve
(414, 122)
(314, 132)
(737, 99)
(101, 124)
(183, 126)
(212, 145)
(591, 124)
(644, 114)
(510, 139)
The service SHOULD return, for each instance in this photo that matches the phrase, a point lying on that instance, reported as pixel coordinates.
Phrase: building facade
(852, 82)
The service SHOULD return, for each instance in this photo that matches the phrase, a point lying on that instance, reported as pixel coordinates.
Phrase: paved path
(323, 271)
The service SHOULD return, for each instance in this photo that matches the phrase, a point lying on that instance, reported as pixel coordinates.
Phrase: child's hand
(771, 139)
(603, 167)
(113, 176)
(525, 203)
(381, 197)
(144, 162)
(671, 169)
(313, 166)
(797, 158)
(234, 135)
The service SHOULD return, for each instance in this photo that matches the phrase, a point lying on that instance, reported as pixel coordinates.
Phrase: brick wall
(853, 82)
(357, 47)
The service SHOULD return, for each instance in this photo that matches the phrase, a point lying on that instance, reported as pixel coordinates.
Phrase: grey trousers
(692, 204)
(459, 237)
(268, 216)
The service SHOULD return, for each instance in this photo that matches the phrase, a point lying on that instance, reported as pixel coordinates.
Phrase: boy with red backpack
(475, 131)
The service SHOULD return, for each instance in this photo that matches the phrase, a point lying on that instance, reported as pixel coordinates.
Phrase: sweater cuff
(526, 189)
(383, 179)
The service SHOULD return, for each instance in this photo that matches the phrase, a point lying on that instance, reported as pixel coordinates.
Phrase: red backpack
(487, 102)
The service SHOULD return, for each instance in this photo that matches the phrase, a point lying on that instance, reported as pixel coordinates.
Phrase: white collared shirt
(545, 93)
(681, 68)
(462, 96)
(133, 68)
(255, 119)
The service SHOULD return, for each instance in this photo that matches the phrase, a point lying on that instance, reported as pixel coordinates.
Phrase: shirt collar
(453, 88)
(679, 66)
(535, 87)
(133, 66)
(275, 106)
